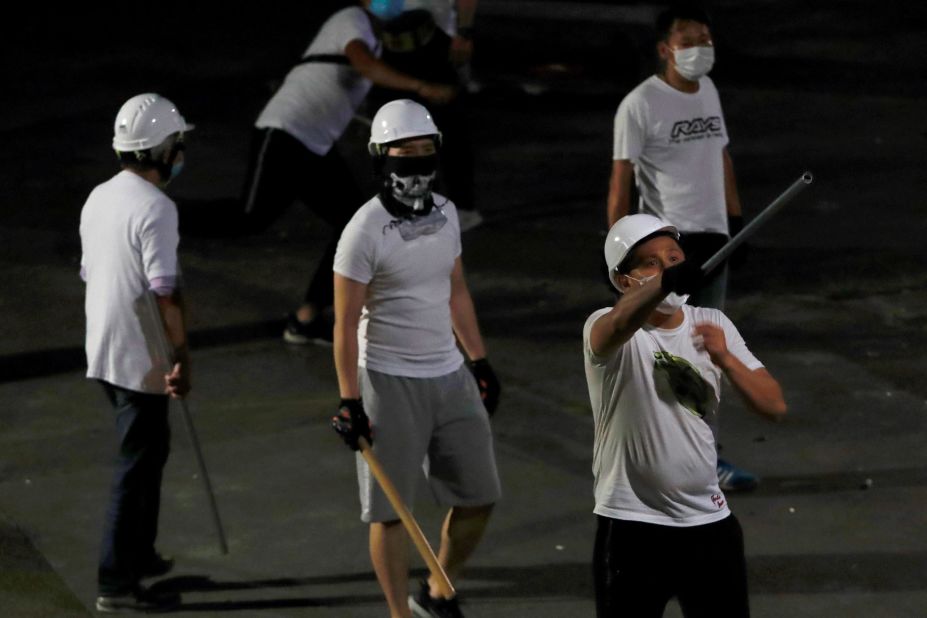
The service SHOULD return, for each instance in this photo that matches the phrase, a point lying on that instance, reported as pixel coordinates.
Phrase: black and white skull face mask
(409, 180)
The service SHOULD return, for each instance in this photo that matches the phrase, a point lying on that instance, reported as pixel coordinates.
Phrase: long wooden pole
(445, 588)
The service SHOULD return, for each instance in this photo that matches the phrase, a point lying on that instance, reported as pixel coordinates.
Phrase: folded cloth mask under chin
(411, 228)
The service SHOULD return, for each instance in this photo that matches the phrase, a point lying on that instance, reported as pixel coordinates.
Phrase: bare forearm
(466, 327)
(619, 192)
(174, 317)
(758, 388)
(466, 13)
(349, 302)
(731, 196)
(382, 74)
(626, 317)
(345, 349)
(619, 204)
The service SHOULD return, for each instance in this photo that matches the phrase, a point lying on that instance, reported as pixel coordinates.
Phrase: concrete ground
(832, 299)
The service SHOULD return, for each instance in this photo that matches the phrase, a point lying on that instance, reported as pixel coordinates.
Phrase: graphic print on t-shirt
(687, 384)
(696, 129)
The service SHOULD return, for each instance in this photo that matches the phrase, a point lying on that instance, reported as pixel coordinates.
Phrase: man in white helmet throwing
(129, 239)
(654, 367)
(400, 299)
(670, 141)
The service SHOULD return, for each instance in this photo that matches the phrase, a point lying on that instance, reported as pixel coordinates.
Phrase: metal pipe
(188, 421)
(724, 252)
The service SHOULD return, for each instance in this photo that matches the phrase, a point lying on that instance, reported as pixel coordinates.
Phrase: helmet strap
(165, 166)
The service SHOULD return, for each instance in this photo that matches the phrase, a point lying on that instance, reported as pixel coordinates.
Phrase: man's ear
(663, 51)
(622, 281)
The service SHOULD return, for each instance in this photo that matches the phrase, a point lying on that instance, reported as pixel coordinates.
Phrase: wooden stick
(445, 588)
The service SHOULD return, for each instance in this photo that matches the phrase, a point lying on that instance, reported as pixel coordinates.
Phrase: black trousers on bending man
(282, 171)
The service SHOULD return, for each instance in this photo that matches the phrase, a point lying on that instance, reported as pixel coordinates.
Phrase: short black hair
(682, 11)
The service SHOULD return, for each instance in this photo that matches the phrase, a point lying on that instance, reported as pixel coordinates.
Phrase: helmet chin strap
(164, 167)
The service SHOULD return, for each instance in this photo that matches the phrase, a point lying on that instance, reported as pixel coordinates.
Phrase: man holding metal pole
(400, 299)
(670, 140)
(129, 239)
(654, 367)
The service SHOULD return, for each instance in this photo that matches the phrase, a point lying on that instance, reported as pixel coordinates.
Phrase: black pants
(431, 62)
(282, 171)
(131, 523)
(638, 567)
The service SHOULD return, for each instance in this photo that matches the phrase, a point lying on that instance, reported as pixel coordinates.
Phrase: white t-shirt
(654, 458)
(405, 327)
(128, 232)
(675, 141)
(317, 99)
(444, 12)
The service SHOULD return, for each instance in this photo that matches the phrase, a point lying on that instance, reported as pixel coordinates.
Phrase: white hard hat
(626, 234)
(146, 120)
(398, 120)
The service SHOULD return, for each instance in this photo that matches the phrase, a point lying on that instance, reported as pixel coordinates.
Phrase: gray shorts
(432, 426)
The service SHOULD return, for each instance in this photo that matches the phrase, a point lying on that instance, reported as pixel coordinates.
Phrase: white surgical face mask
(668, 305)
(672, 303)
(694, 62)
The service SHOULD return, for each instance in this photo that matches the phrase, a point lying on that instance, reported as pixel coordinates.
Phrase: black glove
(488, 384)
(735, 223)
(352, 423)
(683, 278)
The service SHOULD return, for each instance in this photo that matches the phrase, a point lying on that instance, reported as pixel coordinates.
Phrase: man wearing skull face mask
(670, 140)
(654, 368)
(400, 299)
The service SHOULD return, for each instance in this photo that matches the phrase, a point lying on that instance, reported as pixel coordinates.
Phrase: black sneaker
(158, 566)
(424, 606)
(138, 600)
(317, 331)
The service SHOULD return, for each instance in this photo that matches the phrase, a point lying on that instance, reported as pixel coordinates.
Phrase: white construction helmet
(626, 234)
(398, 120)
(146, 120)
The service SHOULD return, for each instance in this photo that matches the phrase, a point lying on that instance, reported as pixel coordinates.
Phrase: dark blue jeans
(131, 523)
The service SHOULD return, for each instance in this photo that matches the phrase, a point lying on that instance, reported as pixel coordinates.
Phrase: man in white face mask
(670, 140)
(653, 367)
